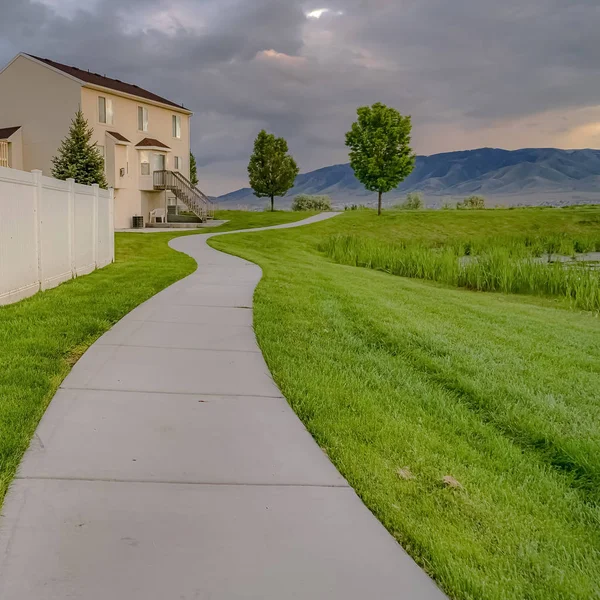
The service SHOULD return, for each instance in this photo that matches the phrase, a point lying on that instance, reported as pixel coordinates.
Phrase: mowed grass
(404, 382)
(249, 220)
(43, 336)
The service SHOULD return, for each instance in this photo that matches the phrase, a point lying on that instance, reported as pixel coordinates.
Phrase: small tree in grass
(193, 170)
(272, 170)
(472, 203)
(77, 157)
(414, 201)
(380, 152)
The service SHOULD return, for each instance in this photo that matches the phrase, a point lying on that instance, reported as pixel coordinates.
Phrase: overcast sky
(510, 73)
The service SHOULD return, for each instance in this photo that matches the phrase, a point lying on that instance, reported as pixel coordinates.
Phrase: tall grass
(509, 265)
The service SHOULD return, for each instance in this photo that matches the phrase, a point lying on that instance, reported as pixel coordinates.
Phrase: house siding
(43, 103)
(132, 196)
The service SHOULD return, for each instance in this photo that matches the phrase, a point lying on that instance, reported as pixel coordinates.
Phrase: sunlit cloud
(281, 58)
(319, 12)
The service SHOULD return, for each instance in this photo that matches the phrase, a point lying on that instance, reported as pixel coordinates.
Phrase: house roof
(107, 82)
(118, 136)
(6, 132)
(151, 143)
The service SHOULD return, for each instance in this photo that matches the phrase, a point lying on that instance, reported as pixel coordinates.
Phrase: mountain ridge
(490, 172)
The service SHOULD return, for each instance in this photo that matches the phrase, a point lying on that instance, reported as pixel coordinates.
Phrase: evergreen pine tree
(77, 157)
(193, 170)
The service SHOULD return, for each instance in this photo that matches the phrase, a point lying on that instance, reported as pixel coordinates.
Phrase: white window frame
(176, 126)
(145, 160)
(177, 163)
(102, 109)
(162, 158)
(110, 115)
(142, 118)
(107, 109)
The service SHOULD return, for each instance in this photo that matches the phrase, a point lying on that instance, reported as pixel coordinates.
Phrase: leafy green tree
(193, 170)
(414, 201)
(272, 170)
(77, 157)
(472, 203)
(380, 152)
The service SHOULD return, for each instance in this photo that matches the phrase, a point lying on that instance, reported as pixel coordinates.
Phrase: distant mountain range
(528, 176)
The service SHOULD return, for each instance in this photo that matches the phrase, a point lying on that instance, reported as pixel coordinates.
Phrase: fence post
(71, 225)
(96, 190)
(37, 215)
(111, 223)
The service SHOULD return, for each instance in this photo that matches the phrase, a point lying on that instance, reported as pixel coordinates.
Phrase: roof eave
(7, 138)
(116, 140)
(172, 107)
(41, 62)
(155, 148)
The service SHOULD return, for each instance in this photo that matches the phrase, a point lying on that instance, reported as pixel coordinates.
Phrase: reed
(516, 265)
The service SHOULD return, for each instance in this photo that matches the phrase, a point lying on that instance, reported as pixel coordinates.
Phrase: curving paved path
(169, 466)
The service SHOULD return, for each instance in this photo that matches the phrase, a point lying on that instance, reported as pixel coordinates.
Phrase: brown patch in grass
(405, 473)
(450, 482)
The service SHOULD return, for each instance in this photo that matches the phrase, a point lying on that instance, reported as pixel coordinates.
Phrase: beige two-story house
(144, 138)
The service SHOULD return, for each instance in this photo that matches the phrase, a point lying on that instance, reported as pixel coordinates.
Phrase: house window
(4, 162)
(177, 163)
(145, 163)
(105, 110)
(100, 150)
(101, 109)
(177, 126)
(158, 162)
(142, 118)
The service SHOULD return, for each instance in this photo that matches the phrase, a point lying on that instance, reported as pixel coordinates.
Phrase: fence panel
(84, 229)
(54, 208)
(105, 229)
(50, 231)
(18, 243)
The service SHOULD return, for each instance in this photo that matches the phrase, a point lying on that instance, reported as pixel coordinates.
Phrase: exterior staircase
(186, 192)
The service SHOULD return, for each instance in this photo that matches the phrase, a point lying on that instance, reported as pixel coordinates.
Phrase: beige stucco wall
(43, 102)
(132, 190)
(125, 122)
(127, 204)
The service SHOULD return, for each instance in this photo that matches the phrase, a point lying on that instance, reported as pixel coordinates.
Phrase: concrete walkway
(169, 466)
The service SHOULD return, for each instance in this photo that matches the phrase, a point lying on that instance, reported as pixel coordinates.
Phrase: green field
(405, 382)
(546, 263)
(43, 336)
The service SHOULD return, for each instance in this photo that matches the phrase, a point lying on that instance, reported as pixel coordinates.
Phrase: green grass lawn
(404, 382)
(247, 220)
(41, 337)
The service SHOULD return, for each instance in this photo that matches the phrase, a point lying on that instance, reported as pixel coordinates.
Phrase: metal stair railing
(185, 191)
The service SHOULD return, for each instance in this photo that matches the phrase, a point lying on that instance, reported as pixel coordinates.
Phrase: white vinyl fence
(50, 231)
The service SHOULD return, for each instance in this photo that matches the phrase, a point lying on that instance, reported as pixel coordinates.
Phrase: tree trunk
(379, 204)
(272, 204)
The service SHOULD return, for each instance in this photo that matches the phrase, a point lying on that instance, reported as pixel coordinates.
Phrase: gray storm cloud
(471, 72)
